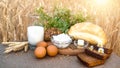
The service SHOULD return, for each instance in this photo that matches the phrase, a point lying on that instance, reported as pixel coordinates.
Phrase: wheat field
(16, 15)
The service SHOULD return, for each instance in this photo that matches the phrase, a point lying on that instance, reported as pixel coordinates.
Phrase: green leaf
(61, 18)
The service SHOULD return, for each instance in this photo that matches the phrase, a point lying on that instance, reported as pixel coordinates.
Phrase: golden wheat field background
(16, 15)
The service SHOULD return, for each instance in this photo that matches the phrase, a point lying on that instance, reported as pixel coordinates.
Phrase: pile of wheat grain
(16, 15)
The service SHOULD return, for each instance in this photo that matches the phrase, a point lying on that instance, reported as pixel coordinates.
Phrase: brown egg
(40, 52)
(52, 50)
(42, 43)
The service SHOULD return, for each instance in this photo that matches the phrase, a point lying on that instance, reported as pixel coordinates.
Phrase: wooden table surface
(27, 60)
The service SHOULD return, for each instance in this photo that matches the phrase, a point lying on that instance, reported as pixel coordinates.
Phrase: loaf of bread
(96, 54)
(90, 32)
(106, 50)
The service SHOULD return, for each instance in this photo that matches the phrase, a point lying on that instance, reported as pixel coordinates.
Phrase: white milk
(35, 34)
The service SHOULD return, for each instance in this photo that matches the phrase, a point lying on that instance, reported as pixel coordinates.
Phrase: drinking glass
(35, 34)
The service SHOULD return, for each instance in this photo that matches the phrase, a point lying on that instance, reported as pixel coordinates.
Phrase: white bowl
(61, 44)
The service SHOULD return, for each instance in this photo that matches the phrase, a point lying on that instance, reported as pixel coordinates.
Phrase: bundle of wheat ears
(15, 46)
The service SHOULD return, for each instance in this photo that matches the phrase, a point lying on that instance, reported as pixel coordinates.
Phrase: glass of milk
(35, 34)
